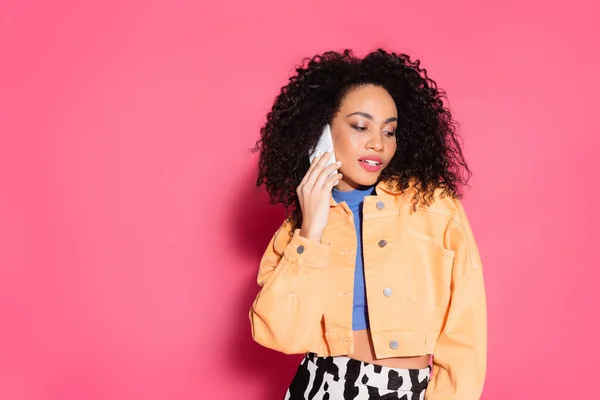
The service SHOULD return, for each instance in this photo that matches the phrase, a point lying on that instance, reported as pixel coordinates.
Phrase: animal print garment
(343, 378)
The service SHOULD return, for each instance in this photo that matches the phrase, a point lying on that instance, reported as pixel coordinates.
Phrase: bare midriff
(364, 351)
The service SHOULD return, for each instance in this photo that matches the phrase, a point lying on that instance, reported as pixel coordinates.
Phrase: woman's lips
(371, 164)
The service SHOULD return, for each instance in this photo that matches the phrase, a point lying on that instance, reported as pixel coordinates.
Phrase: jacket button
(382, 243)
(380, 205)
(300, 249)
(387, 292)
(393, 345)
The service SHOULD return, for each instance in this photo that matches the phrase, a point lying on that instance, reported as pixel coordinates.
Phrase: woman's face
(363, 133)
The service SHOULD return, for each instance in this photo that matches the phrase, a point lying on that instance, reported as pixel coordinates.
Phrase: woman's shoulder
(438, 200)
(286, 228)
(441, 201)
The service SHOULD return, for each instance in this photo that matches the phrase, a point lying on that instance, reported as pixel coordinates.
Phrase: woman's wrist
(314, 235)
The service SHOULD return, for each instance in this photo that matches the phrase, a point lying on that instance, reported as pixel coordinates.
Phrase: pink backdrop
(130, 230)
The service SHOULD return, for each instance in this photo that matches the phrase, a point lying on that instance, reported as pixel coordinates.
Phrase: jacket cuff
(303, 251)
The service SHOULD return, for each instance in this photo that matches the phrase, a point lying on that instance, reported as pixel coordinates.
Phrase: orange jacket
(424, 284)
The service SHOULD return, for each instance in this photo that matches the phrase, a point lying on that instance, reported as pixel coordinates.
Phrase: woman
(375, 269)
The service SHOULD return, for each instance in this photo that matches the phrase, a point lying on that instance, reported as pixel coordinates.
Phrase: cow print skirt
(344, 378)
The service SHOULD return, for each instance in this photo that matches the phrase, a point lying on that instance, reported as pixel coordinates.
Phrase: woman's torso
(363, 345)
(306, 302)
(363, 351)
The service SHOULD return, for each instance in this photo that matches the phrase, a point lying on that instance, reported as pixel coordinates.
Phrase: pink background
(130, 230)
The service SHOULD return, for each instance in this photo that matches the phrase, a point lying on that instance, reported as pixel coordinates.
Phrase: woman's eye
(359, 128)
(390, 133)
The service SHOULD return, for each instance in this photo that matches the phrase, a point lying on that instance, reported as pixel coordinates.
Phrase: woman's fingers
(332, 181)
(310, 167)
(315, 169)
(325, 174)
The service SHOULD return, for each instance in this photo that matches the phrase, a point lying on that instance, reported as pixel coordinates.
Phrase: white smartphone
(325, 142)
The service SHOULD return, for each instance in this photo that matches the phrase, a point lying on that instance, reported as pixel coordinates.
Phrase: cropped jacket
(424, 287)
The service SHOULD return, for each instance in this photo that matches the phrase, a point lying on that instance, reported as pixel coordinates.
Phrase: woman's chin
(348, 183)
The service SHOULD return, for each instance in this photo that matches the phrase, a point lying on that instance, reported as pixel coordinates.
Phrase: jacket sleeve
(460, 355)
(286, 314)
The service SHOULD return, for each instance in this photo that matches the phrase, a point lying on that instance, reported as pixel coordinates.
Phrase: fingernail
(339, 163)
(330, 149)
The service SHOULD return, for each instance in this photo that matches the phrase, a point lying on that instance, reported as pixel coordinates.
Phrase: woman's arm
(286, 315)
(459, 360)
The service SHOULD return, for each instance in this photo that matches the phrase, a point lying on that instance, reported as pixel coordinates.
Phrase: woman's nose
(375, 142)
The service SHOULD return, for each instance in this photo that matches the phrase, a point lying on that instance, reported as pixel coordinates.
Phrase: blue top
(354, 199)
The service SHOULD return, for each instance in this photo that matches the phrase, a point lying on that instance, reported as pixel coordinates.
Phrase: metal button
(387, 292)
(393, 345)
(300, 249)
(382, 243)
(380, 205)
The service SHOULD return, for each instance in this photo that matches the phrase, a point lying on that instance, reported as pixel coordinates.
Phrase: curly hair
(428, 154)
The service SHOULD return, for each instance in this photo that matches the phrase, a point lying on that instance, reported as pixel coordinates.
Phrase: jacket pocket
(429, 271)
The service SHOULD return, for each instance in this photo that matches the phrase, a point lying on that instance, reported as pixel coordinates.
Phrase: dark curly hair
(428, 154)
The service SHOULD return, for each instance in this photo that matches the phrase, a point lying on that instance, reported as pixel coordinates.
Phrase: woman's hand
(314, 193)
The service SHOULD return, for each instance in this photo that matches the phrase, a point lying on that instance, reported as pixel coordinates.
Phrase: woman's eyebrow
(369, 116)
